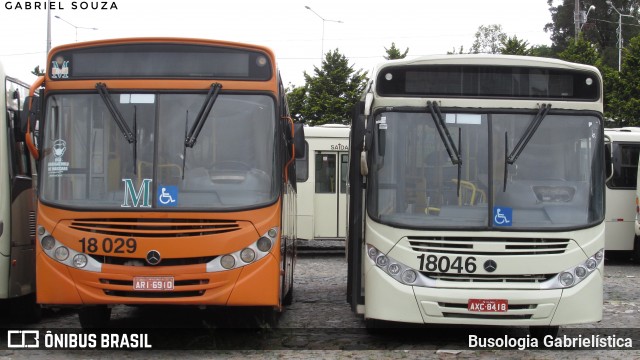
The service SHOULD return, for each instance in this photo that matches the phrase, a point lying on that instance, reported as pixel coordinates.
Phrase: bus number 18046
(444, 264)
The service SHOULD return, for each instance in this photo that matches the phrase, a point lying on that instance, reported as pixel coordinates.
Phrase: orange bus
(167, 176)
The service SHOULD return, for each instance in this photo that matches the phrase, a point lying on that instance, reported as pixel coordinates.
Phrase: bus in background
(636, 226)
(17, 206)
(167, 176)
(322, 181)
(622, 146)
(477, 193)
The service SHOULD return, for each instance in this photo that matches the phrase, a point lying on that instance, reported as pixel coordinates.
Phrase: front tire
(540, 332)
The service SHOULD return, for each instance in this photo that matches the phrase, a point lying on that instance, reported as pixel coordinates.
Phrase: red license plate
(488, 305)
(153, 283)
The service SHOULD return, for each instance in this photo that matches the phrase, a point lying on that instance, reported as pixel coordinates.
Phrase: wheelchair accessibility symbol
(167, 195)
(502, 216)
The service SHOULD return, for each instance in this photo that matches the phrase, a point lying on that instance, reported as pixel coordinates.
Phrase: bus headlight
(394, 269)
(409, 276)
(397, 270)
(228, 262)
(382, 261)
(264, 244)
(48, 242)
(575, 275)
(247, 255)
(61, 253)
(252, 253)
(57, 251)
(566, 279)
(80, 260)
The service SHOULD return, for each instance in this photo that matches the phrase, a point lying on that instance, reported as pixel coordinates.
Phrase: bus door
(330, 197)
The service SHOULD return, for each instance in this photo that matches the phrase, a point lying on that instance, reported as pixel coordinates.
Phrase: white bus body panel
(322, 213)
(388, 299)
(620, 217)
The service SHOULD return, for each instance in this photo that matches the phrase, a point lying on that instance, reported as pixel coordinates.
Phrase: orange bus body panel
(256, 284)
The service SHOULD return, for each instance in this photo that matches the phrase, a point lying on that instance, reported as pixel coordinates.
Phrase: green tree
(628, 89)
(581, 51)
(542, 51)
(394, 53)
(515, 46)
(296, 98)
(329, 95)
(600, 28)
(488, 39)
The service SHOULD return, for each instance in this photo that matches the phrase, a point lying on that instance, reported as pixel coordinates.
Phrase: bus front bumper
(256, 284)
(387, 299)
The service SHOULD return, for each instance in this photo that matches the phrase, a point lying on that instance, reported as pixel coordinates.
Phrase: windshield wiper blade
(445, 136)
(184, 147)
(443, 131)
(524, 140)
(212, 95)
(115, 113)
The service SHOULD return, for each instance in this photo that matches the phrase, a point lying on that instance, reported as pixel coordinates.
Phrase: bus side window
(302, 166)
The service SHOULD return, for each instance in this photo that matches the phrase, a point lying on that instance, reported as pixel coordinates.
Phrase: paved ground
(320, 324)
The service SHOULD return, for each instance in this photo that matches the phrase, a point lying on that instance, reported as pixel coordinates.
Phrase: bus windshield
(556, 183)
(88, 163)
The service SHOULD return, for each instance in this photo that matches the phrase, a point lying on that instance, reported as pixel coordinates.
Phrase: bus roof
(623, 134)
(327, 131)
(488, 59)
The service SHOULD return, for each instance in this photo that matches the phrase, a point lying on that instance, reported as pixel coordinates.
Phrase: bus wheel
(375, 326)
(94, 316)
(540, 332)
(29, 310)
(268, 317)
(288, 299)
(636, 249)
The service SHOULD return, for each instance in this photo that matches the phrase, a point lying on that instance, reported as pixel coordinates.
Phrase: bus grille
(155, 227)
(32, 225)
(469, 278)
(125, 261)
(488, 246)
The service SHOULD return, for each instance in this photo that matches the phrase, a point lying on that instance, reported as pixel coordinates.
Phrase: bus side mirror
(30, 124)
(298, 140)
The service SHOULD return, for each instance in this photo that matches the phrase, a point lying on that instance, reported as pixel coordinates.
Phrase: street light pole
(620, 41)
(323, 21)
(76, 27)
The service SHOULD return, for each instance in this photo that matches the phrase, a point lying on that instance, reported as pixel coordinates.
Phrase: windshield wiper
(524, 140)
(212, 95)
(445, 136)
(184, 147)
(115, 113)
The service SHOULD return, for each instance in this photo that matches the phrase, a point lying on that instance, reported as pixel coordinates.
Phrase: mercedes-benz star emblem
(153, 258)
(489, 265)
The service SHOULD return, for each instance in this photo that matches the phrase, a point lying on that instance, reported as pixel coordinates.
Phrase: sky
(292, 31)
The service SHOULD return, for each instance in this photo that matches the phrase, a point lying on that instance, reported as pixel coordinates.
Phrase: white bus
(17, 206)
(476, 193)
(623, 147)
(322, 180)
